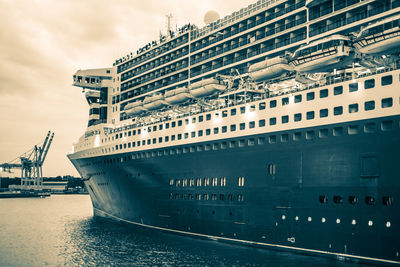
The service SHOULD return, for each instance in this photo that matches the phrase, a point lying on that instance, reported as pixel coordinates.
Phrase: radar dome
(211, 16)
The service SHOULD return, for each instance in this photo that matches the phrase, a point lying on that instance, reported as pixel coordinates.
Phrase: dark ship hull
(329, 190)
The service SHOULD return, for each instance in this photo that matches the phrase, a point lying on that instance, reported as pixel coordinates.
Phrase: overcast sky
(43, 43)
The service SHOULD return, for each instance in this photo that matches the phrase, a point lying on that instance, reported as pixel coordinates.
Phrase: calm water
(61, 231)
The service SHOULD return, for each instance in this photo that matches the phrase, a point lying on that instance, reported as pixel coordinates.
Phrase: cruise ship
(277, 126)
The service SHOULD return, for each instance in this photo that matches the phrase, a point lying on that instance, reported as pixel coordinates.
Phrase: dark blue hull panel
(329, 189)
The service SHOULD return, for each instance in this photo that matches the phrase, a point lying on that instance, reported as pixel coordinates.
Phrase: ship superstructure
(275, 126)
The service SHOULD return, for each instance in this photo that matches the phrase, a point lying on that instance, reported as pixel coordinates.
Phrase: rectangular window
(285, 119)
(173, 124)
(272, 103)
(186, 135)
(310, 115)
(310, 96)
(261, 106)
(323, 113)
(252, 108)
(201, 118)
(224, 114)
(368, 84)
(310, 135)
(200, 133)
(242, 110)
(166, 138)
(272, 139)
(272, 121)
(186, 121)
(369, 105)
(284, 138)
(160, 127)
(180, 123)
(159, 140)
(242, 126)
(224, 129)
(297, 117)
(338, 131)
(252, 124)
(167, 125)
(208, 131)
(179, 136)
(353, 87)
(233, 127)
(353, 108)
(208, 117)
(338, 90)
(261, 123)
(352, 129)
(172, 137)
(216, 130)
(387, 80)
(338, 110)
(297, 98)
(285, 101)
(323, 93)
(323, 133)
(387, 102)
(193, 134)
(370, 127)
(233, 112)
(271, 169)
(297, 136)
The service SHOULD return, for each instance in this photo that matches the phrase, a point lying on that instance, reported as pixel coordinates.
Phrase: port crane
(30, 163)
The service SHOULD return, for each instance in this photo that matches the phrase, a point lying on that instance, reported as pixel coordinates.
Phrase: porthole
(296, 218)
(388, 224)
(283, 217)
(323, 220)
(370, 223)
(337, 220)
(353, 222)
(309, 219)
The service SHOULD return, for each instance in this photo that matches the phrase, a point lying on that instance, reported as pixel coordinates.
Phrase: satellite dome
(211, 16)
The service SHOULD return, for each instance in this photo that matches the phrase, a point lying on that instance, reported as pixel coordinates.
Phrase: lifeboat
(177, 96)
(379, 38)
(154, 102)
(269, 69)
(323, 55)
(206, 87)
(134, 108)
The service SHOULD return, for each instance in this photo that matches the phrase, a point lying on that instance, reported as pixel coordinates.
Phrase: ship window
(261, 140)
(285, 101)
(198, 197)
(271, 168)
(338, 90)
(353, 108)
(179, 136)
(323, 199)
(224, 113)
(166, 138)
(120, 146)
(369, 200)
(208, 117)
(216, 130)
(284, 138)
(272, 139)
(116, 136)
(387, 102)
(338, 199)
(133, 144)
(310, 115)
(206, 181)
(223, 145)
(272, 103)
(148, 129)
(199, 148)
(208, 131)
(240, 198)
(120, 135)
(323, 113)
(233, 127)
(138, 131)
(124, 145)
(167, 125)
(369, 105)
(186, 121)
(184, 182)
(173, 124)
(178, 183)
(310, 135)
(221, 197)
(241, 143)
(297, 98)
(186, 135)
(224, 129)
(233, 112)
(387, 201)
(310, 96)
(200, 133)
(201, 118)
(194, 120)
(353, 200)
(285, 119)
(338, 110)
(134, 132)
(252, 108)
(242, 110)
(368, 84)
(172, 137)
(116, 147)
(353, 129)
(154, 128)
(386, 80)
(252, 124)
(272, 121)
(323, 93)
(207, 148)
(215, 146)
(297, 117)
(129, 133)
(180, 123)
(198, 182)
(251, 142)
(261, 106)
(370, 127)
(191, 182)
(297, 136)
(386, 125)
(232, 144)
(353, 87)
(230, 197)
(193, 134)
(242, 126)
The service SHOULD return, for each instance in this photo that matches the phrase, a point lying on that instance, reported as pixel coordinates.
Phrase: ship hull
(295, 195)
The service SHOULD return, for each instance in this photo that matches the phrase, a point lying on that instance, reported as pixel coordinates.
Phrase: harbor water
(61, 231)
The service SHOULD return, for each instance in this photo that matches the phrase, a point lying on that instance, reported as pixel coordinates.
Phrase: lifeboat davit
(134, 108)
(206, 87)
(154, 102)
(177, 96)
(323, 55)
(379, 38)
(269, 69)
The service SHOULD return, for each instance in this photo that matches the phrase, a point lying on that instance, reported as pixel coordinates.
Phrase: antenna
(169, 18)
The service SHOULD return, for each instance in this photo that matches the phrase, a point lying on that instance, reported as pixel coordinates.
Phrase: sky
(44, 42)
